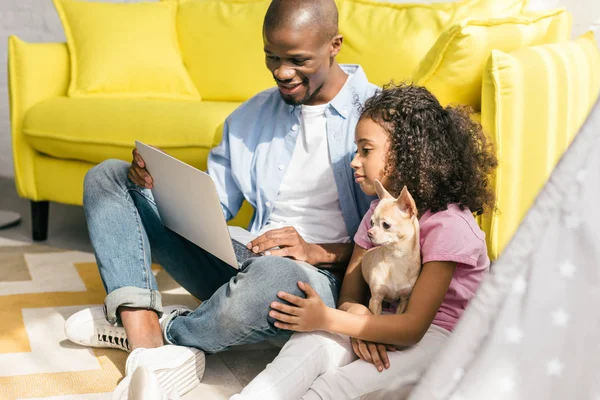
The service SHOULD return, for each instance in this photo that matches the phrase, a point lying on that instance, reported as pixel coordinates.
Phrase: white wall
(585, 12)
(36, 21)
(32, 21)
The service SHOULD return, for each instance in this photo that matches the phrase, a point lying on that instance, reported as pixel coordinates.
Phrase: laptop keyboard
(242, 253)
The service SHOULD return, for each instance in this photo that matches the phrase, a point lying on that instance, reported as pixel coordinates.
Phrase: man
(287, 151)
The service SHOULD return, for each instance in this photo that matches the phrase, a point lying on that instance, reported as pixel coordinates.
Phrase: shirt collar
(344, 101)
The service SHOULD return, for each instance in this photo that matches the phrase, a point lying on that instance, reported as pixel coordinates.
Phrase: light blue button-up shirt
(258, 142)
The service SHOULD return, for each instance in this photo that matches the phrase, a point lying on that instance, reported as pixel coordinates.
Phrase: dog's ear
(381, 192)
(406, 203)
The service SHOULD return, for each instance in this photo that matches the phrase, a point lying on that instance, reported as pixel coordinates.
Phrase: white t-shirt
(308, 198)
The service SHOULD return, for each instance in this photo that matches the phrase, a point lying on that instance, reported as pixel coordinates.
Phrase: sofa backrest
(222, 48)
(390, 39)
(453, 67)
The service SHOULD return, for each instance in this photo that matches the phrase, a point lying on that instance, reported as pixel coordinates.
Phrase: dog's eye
(386, 225)
(372, 223)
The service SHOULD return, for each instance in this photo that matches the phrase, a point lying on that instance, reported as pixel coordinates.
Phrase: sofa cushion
(453, 67)
(534, 101)
(95, 129)
(124, 50)
(389, 39)
(231, 68)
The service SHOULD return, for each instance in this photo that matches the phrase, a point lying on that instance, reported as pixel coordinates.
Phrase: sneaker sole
(181, 377)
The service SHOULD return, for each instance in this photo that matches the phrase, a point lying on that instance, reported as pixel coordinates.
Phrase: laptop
(188, 204)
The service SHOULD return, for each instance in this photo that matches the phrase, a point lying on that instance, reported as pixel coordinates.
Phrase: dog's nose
(370, 234)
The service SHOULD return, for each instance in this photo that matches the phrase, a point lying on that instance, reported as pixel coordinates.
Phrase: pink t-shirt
(449, 235)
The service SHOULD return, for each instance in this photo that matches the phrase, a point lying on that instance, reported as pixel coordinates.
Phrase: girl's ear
(406, 203)
(381, 192)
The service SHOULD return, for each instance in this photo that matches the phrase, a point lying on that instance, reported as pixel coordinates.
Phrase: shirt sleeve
(448, 237)
(361, 238)
(219, 168)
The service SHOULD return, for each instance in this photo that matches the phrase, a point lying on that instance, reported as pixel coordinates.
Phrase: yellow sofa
(58, 138)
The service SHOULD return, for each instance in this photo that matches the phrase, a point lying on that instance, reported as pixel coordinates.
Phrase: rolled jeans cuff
(133, 297)
(166, 323)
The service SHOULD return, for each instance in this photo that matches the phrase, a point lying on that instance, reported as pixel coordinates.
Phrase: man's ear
(381, 192)
(336, 45)
(406, 203)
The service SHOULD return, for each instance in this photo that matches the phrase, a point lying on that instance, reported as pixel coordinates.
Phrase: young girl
(404, 137)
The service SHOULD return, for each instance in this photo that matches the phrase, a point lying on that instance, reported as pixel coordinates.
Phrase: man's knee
(104, 175)
(267, 276)
(252, 291)
(275, 274)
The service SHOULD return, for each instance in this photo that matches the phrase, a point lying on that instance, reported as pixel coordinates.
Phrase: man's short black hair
(317, 15)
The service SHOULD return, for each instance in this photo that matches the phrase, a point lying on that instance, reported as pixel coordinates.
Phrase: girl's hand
(304, 315)
(374, 353)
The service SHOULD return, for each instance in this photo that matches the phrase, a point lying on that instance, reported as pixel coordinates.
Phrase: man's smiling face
(300, 61)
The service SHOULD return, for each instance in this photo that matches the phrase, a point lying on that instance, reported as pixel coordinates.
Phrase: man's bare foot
(142, 327)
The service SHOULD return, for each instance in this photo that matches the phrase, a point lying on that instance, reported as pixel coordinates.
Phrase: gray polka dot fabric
(533, 329)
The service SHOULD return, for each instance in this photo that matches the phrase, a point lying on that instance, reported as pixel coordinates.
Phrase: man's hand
(289, 241)
(374, 353)
(138, 173)
(304, 315)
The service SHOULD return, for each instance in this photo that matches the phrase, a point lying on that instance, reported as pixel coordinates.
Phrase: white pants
(323, 365)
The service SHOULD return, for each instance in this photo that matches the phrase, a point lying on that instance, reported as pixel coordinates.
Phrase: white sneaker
(144, 385)
(90, 328)
(178, 369)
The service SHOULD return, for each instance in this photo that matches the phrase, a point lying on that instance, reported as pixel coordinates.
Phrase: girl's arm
(400, 329)
(353, 293)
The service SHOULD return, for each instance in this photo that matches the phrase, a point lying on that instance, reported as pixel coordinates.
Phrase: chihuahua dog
(391, 269)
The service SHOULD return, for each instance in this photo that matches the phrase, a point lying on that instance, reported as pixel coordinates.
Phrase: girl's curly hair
(440, 154)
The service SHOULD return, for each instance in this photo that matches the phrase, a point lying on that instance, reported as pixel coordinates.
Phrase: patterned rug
(40, 287)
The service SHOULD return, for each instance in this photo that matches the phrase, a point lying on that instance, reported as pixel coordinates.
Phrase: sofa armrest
(36, 72)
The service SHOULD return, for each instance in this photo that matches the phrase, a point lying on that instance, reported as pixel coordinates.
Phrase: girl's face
(371, 158)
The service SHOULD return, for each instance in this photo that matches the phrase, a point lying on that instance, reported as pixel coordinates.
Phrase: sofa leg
(39, 220)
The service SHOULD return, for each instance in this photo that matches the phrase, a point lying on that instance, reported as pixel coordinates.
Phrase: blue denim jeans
(127, 234)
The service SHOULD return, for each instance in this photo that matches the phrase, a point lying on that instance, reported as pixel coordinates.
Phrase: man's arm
(219, 168)
(330, 253)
